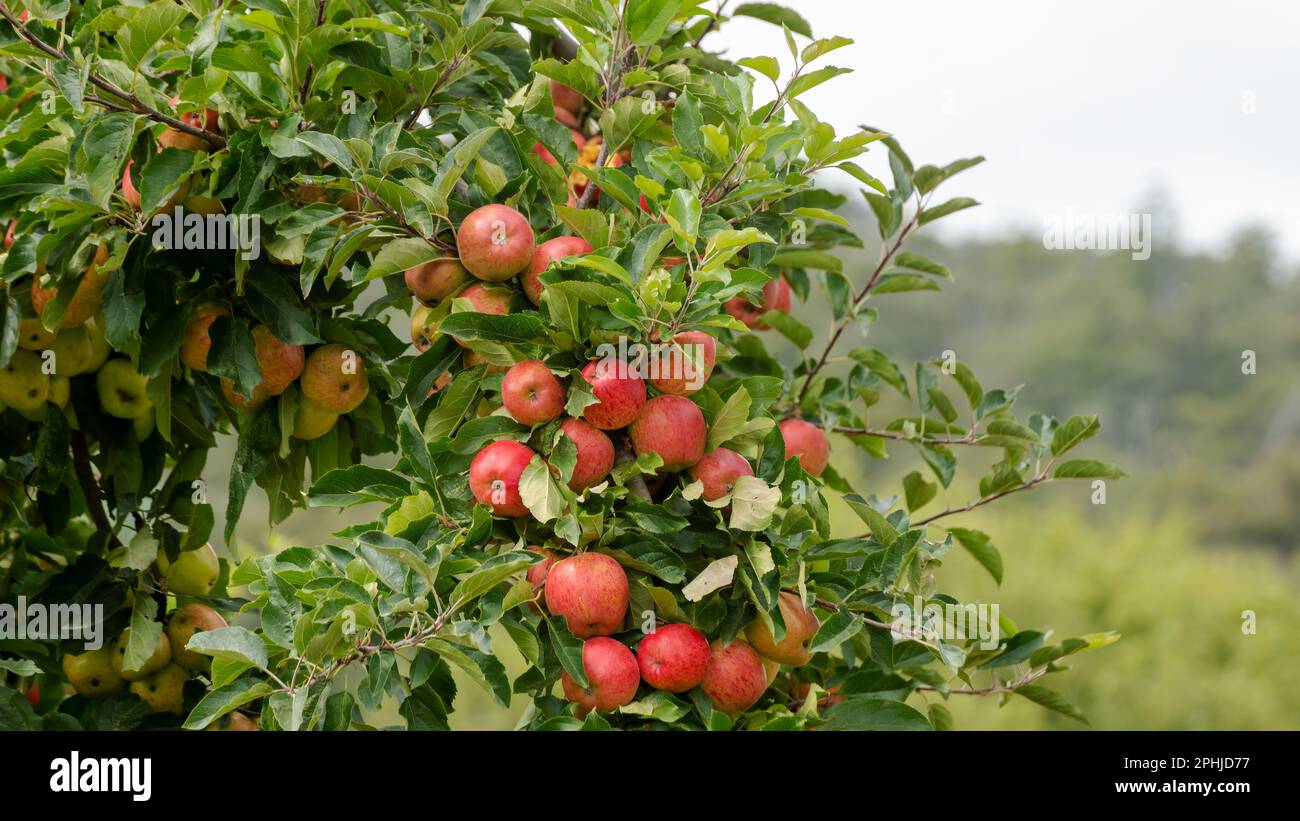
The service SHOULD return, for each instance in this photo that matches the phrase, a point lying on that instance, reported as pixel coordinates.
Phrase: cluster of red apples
(590, 592)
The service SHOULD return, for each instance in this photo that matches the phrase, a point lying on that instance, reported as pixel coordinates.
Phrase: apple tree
(609, 441)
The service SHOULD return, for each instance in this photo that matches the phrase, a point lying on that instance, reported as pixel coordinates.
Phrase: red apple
(129, 192)
(590, 591)
(734, 679)
(495, 242)
(806, 440)
(564, 98)
(494, 476)
(674, 428)
(645, 204)
(537, 573)
(552, 249)
(595, 453)
(531, 393)
(612, 672)
(620, 392)
(673, 657)
(776, 297)
(800, 626)
(434, 281)
(567, 118)
(718, 470)
(685, 363)
(487, 299)
(9, 232)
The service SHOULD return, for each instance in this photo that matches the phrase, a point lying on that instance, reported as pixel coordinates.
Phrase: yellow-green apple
(86, 300)
(423, 328)
(24, 385)
(194, 573)
(674, 428)
(158, 657)
(144, 425)
(619, 391)
(494, 476)
(552, 249)
(91, 673)
(673, 657)
(685, 363)
(335, 378)
(311, 421)
(60, 390)
(590, 591)
(197, 342)
(98, 342)
(806, 440)
(612, 673)
(181, 627)
(595, 453)
(531, 393)
(72, 350)
(735, 679)
(121, 389)
(718, 471)
(800, 626)
(776, 297)
(495, 242)
(32, 335)
(434, 281)
(164, 691)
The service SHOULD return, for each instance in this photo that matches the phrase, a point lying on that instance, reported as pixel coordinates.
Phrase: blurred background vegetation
(1206, 527)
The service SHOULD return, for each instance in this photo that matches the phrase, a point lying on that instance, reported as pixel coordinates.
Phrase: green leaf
(952, 206)
(917, 490)
(866, 712)
(884, 532)
(1074, 431)
(356, 484)
(235, 643)
(569, 650)
(511, 329)
(1087, 469)
(146, 29)
(1052, 700)
(221, 700)
(839, 628)
(491, 573)
(765, 65)
(453, 166)
(540, 494)
(329, 147)
(729, 419)
(659, 705)
(775, 14)
(978, 544)
(399, 255)
(753, 502)
(486, 670)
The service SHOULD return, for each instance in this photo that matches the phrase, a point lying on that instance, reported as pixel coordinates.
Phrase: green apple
(122, 389)
(144, 425)
(91, 673)
(73, 351)
(184, 623)
(24, 386)
(164, 691)
(60, 389)
(98, 343)
(194, 573)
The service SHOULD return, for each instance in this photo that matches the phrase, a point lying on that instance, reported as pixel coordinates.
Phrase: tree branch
(89, 486)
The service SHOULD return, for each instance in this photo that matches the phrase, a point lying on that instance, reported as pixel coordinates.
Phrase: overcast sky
(1084, 105)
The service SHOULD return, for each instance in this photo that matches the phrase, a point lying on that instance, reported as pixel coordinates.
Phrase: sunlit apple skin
(595, 453)
(776, 297)
(685, 363)
(612, 672)
(552, 249)
(621, 394)
(86, 300)
(531, 393)
(500, 462)
(801, 626)
(197, 343)
(674, 428)
(735, 678)
(718, 471)
(565, 98)
(590, 591)
(495, 242)
(673, 657)
(806, 440)
(434, 281)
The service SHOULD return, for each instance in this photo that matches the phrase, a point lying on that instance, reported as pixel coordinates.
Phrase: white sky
(1085, 105)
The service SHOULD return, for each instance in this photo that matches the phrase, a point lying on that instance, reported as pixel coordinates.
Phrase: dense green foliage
(703, 197)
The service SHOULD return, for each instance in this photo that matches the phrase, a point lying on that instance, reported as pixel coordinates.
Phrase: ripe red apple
(494, 476)
(531, 393)
(552, 249)
(549, 158)
(620, 392)
(673, 657)
(567, 118)
(674, 428)
(735, 679)
(595, 453)
(129, 192)
(800, 626)
(590, 591)
(434, 281)
(718, 470)
(9, 232)
(487, 299)
(806, 440)
(564, 98)
(537, 573)
(685, 363)
(612, 672)
(495, 242)
(776, 297)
